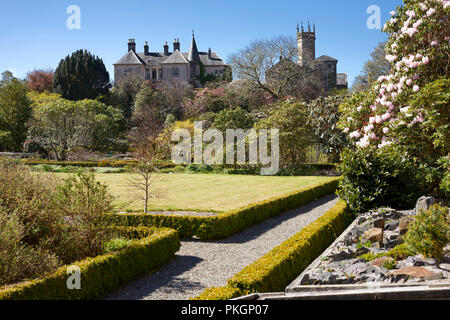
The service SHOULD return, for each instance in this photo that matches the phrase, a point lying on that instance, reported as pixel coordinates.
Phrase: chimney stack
(209, 53)
(176, 45)
(146, 48)
(132, 45)
(166, 48)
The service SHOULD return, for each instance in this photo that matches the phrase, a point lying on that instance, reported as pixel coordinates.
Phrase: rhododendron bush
(391, 112)
(404, 115)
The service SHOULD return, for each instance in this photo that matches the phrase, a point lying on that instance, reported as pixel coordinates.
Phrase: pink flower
(378, 119)
(386, 116)
(447, 4)
(347, 130)
(355, 134)
(409, 82)
(416, 76)
(359, 108)
(434, 43)
(411, 31)
(372, 120)
(373, 136)
(416, 88)
(390, 57)
(385, 130)
(426, 60)
(430, 12)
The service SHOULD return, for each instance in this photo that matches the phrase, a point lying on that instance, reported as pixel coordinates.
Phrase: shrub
(429, 232)
(374, 178)
(85, 201)
(19, 261)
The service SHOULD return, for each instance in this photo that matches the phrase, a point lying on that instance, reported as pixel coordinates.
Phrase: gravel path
(202, 264)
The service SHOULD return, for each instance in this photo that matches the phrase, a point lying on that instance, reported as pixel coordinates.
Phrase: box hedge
(226, 224)
(275, 270)
(150, 249)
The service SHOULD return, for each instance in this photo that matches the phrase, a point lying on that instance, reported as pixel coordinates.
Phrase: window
(175, 72)
(147, 75)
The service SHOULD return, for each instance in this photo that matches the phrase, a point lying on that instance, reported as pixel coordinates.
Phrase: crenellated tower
(306, 44)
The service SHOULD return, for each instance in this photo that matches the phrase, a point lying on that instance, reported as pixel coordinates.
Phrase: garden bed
(371, 253)
(150, 249)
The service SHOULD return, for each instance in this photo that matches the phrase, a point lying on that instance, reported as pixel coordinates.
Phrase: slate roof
(130, 58)
(175, 57)
(326, 58)
(156, 58)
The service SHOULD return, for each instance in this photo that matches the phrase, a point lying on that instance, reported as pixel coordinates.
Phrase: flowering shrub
(419, 50)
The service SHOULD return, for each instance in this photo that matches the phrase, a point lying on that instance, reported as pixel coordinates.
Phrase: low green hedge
(101, 274)
(275, 270)
(228, 223)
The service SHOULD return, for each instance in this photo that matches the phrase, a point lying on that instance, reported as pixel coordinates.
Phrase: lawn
(205, 192)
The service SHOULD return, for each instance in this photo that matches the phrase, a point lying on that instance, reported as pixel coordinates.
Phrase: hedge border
(102, 274)
(228, 223)
(275, 270)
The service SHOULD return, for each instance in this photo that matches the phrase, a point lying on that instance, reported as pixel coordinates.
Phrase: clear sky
(34, 34)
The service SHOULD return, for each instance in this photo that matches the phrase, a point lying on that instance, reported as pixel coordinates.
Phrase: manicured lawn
(206, 192)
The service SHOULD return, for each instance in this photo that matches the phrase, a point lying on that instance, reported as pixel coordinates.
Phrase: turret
(306, 43)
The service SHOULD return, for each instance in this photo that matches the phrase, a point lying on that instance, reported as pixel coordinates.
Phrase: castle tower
(306, 45)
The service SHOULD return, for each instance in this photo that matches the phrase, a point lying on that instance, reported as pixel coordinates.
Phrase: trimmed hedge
(228, 223)
(275, 270)
(101, 274)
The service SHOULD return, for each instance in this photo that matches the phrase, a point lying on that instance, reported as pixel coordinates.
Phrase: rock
(416, 272)
(378, 223)
(342, 255)
(403, 225)
(379, 261)
(374, 235)
(411, 262)
(424, 203)
(391, 238)
(391, 225)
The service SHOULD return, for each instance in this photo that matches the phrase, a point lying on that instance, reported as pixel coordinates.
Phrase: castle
(325, 67)
(169, 66)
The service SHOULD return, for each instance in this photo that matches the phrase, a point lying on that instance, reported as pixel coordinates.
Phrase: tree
(63, 125)
(81, 76)
(15, 110)
(290, 118)
(252, 62)
(373, 69)
(124, 93)
(40, 80)
(174, 93)
(234, 118)
(246, 94)
(323, 118)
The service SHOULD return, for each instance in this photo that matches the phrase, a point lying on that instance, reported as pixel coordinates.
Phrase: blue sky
(34, 33)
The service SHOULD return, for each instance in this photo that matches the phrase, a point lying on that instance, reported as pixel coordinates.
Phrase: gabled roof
(130, 58)
(175, 57)
(325, 58)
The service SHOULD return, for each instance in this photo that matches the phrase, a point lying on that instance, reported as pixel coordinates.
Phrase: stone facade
(325, 67)
(168, 66)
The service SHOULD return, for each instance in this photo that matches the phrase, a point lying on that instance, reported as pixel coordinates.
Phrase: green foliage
(399, 252)
(323, 118)
(234, 118)
(81, 76)
(295, 135)
(15, 111)
(150, 250)
(115, 244)
(429, 232)
(389, 264)
(275, 270)
(62, 125)
(373, 178)
(229, 223)
(219, 293)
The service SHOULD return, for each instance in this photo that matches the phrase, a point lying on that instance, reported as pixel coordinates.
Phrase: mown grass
(209, 192)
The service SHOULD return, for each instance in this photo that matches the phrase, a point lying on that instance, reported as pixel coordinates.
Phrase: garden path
(202, 264)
